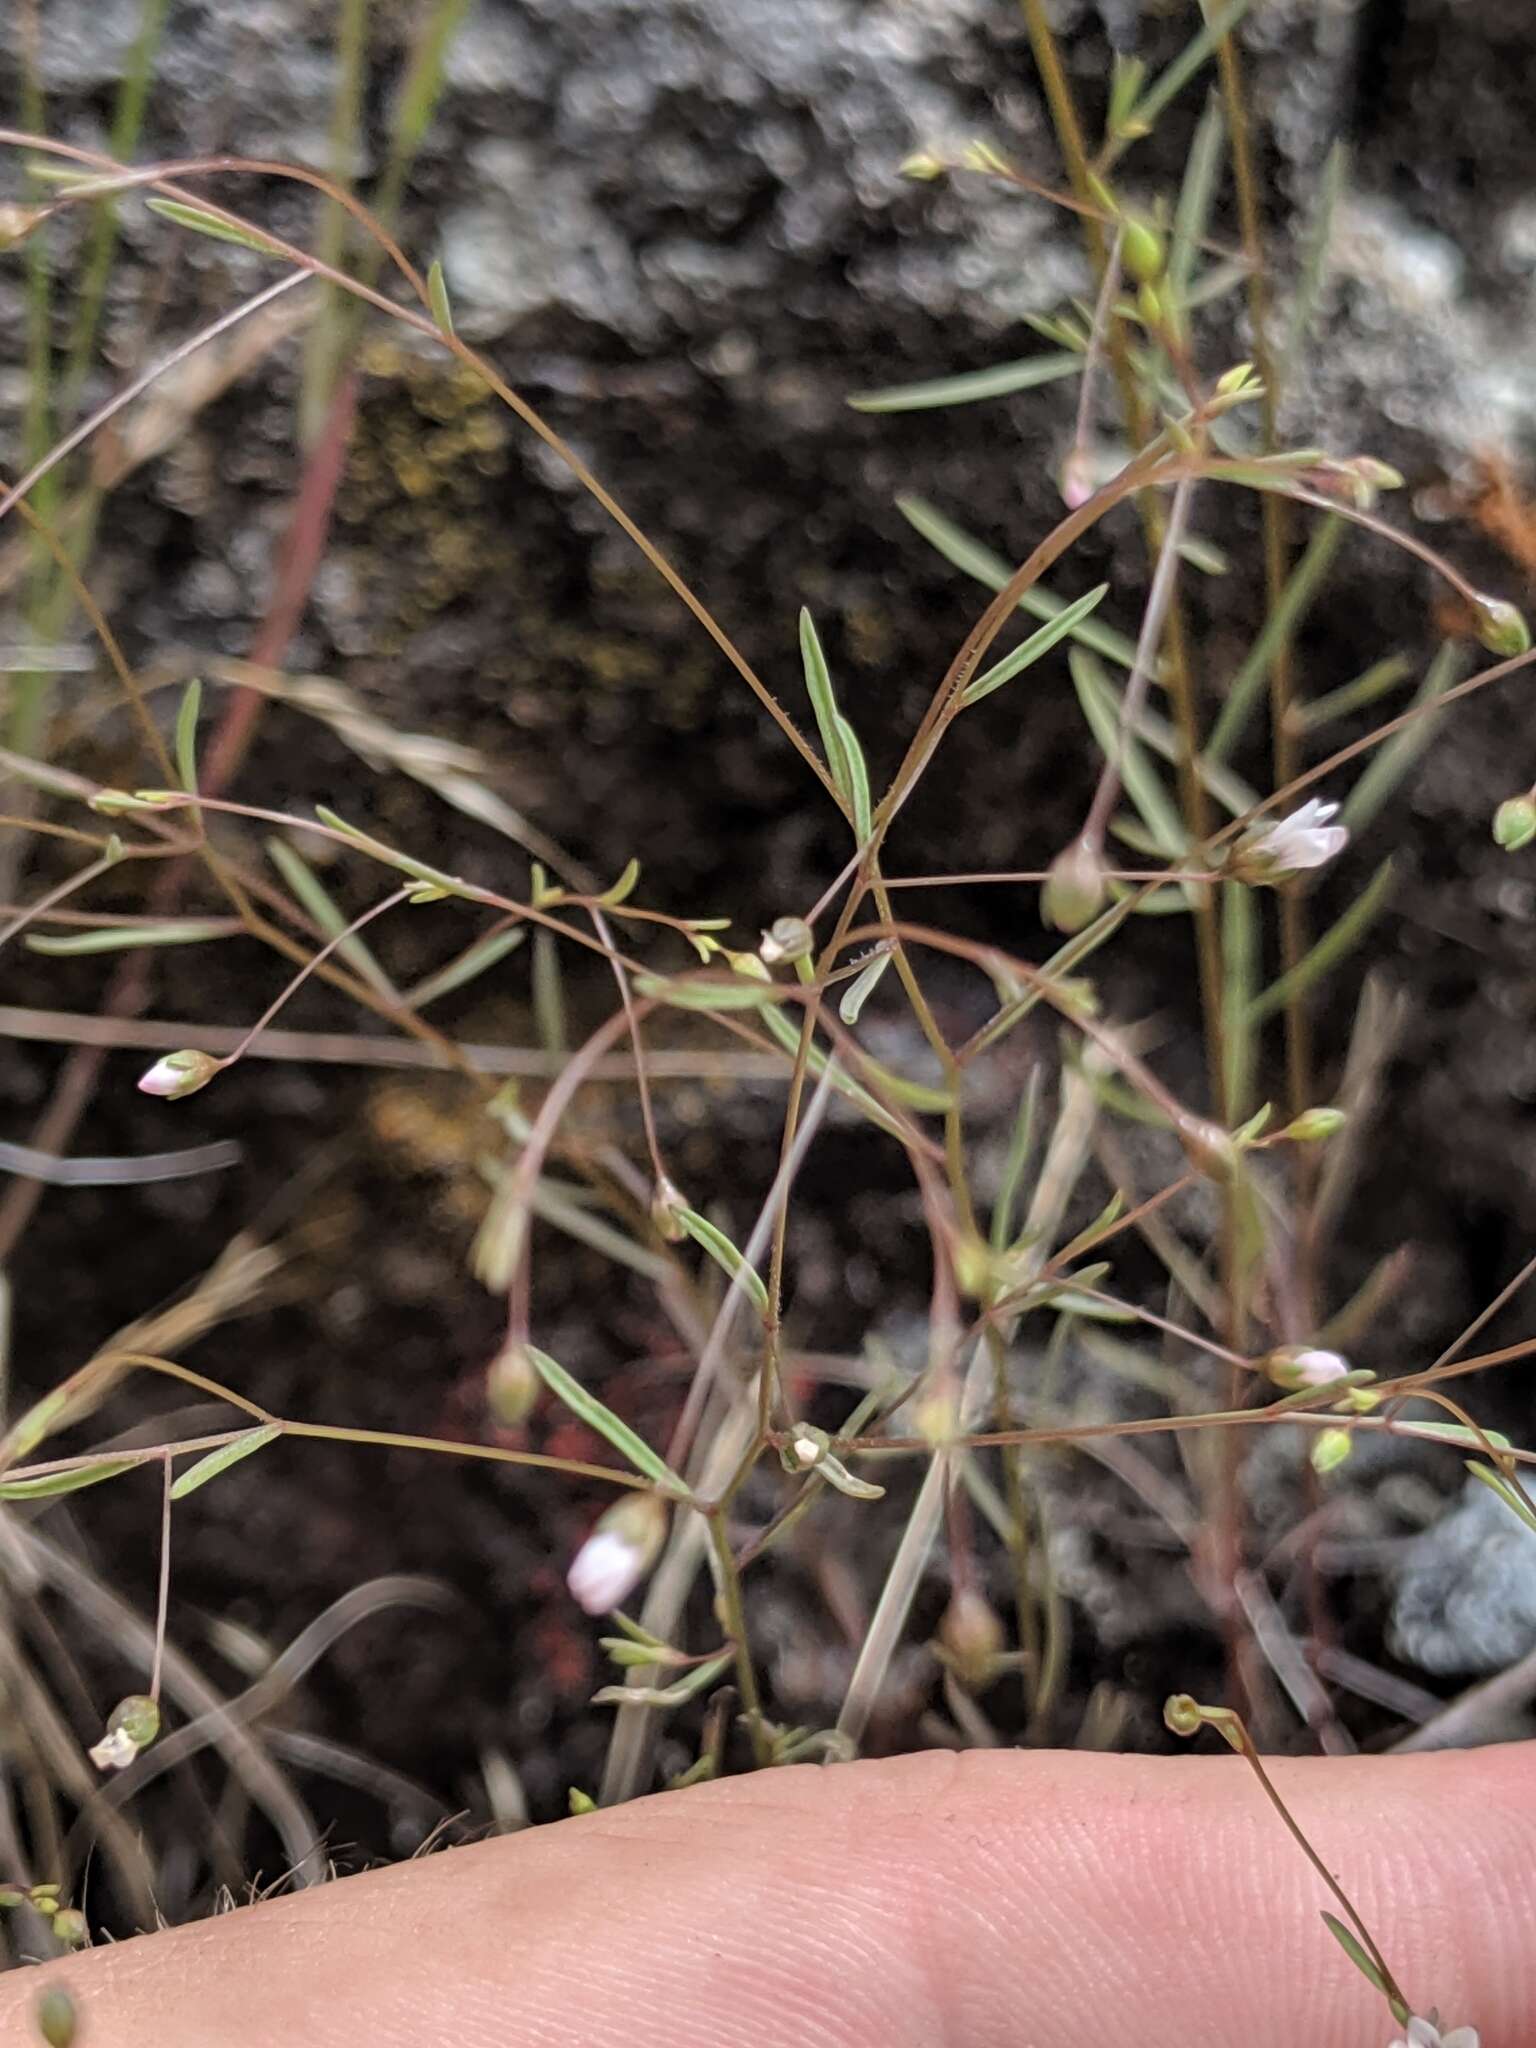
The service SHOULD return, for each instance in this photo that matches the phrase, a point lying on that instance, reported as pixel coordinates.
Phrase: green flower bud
(55, 2016)
(665, 1204)
(1182, 1715)
(1500, 626)
(925, 166)
(1141, 248)
(512, 1386)
(1075, 890)
(69, 1927)
(1514, 823)
(178, 1074)
(132, 1725)
(1332, 1447)
(1315, 1124)
(787, 938)
(971, 1638)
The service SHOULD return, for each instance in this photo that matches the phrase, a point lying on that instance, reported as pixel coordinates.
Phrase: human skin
(987, 1900)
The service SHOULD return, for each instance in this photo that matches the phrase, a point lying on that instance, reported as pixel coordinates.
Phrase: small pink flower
(1297, 1368)
(179, 1073)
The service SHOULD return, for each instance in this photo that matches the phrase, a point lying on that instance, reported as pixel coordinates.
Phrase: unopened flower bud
(54, 2013)
(1141, 248)
(665, 1204)
(1076, 478)
(132, 1725)
(1514, 823)
(1149, 304)
(1295, 1367)
(1234, 380)
(619, 1552)
(68, 1927)
(787, 938)
(971, 1636)
(925, 166)
(1313, 1125)
(179, 1073)
(1210, 1150)
(512, 1386)
(17, 222)
(805, 1448)
(1182, 1715)
(1500, 626)
(1074, 891)
(1332, 1447)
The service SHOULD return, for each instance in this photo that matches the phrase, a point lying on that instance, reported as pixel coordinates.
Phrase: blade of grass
(318, 902)
(1392, 762)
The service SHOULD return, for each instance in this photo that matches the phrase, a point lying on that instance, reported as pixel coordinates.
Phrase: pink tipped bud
(1076, 479)
(179, 1073)
(1296, 1367)
(618, 1554)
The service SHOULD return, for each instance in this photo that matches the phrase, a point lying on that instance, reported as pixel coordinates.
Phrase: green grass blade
(1365, 688)
(978, 560)
(1240, 974)
(1330, 189)
(1192, 215)
(972, 385)
(1336, 943)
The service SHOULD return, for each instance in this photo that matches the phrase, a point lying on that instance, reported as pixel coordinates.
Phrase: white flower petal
(603, 1571)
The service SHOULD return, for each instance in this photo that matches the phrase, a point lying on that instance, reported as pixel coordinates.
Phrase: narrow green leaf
(597, 1415)
(473, 962)
(858, 778)
(1039, 642)
(1196, 190)
(186, 734)
(725, 1255)
(1314, 261)
(120, 938)
(226, 1455)
(1336, 943)
(836, 1474)
(549, 993)
(695, 993)
(818, 682)
(623, 888)
(965, 389)
(1301, 586)
(1357, 1955)
(1020, 1145)
(33, 1427)
(696, 1681)
(1363, 689)
(423, 81)
(1142, 784)
(1459, 1434)
(912, 1094)
(1392, 762)
(51, 1483)
(1240, 972)
(209, 224)
(988, 568)
(437, 294)
(862, 987)
(1195, 53)
(1497, 1483)
(317, 900)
